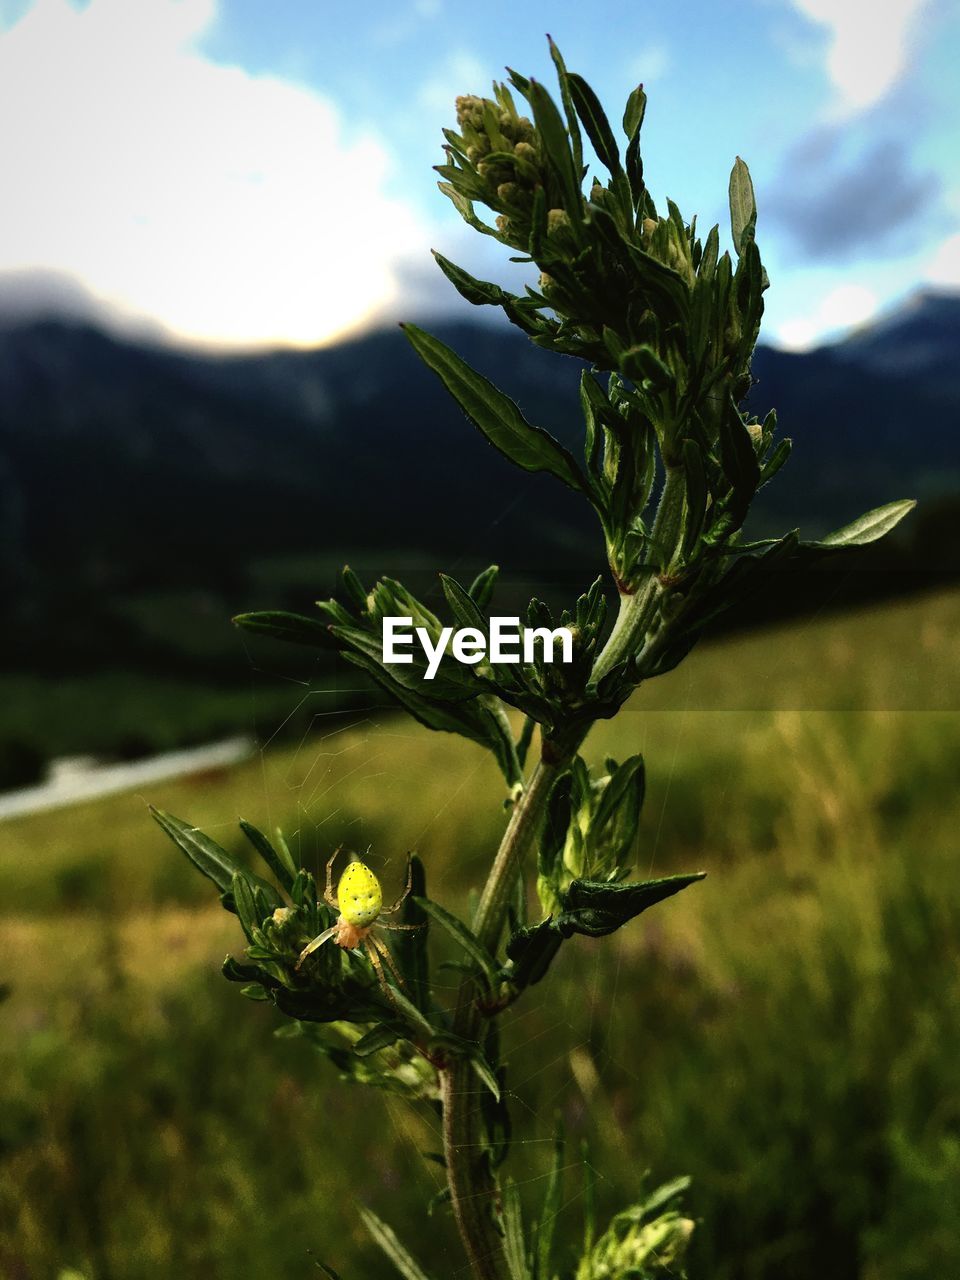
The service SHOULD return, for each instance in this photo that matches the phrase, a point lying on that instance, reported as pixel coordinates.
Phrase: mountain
(129, 468)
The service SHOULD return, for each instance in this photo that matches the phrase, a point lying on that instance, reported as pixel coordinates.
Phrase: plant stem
(473, 1188)
(637, 609)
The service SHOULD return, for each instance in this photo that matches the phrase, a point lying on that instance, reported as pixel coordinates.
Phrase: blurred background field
(787, 1032)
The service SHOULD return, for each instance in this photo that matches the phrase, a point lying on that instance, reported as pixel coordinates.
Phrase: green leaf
(738, 459)
(563, 77)
(495, 415)
(410, 945)
(462, 605)
(532, 951)
(462, 935)
(743, 205)
(662, 1196)
(485, 1073)
(415, 1016)
(478, 292)
(205, 854)
(868, 528)
(255, 991)
(634, 112)
(514, 1247)
(391, 1246)
(632, 122)
(376, 1038)
(617, 814)
(775, 460)
(244, 905)
(595, 122)
(471, 718)
(292, 627)
(552, 1204)
(595, 909)
(354, 588)
(481, 589)
(556, 145)
(643, 365)
(280, 863)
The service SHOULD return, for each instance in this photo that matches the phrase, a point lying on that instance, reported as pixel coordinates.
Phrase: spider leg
(329, 897)
(374, 946)
(318, 941)
(386, 924)
(406, 891)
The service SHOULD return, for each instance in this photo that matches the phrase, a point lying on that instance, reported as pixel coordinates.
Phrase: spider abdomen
(359, 896)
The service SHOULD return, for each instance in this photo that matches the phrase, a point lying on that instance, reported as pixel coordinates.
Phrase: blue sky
(237, 172)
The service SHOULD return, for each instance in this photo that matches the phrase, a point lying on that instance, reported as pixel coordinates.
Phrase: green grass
(786, 1032)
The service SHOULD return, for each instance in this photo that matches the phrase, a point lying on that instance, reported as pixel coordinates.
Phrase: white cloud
(652, 63)
(228, 206)
(843, 308)
(944, 267)
(869, 43)
(462, 73)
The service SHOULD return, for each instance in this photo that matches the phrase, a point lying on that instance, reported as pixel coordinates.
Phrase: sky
(233, 173)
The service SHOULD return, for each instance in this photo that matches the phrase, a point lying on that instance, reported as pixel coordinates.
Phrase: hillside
(148, 493)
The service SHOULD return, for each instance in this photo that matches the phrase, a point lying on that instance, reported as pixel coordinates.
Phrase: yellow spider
(358, 899)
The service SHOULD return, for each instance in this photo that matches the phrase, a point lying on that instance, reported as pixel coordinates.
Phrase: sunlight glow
(228, 206)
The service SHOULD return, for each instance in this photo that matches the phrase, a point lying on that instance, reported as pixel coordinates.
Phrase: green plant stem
(473, 1188)
(638, 608)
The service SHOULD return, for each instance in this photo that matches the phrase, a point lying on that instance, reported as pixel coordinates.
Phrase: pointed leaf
(292, 627)
(556, 144)
(563, 78)
(280, 863)
(596, 909)
(868, 528)
(478, 292)
(514, 1247)
(410, 945)
(486, 1073)
(377, 1038)
(481, 589)
(743, 205)
(205, 854)
(552, 1203)
(494, 414)
(391, 1246)
(462, 605)
(467, 940)
(595, 122)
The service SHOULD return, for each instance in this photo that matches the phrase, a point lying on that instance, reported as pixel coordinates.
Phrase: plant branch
(473, 1187)
(637, 609)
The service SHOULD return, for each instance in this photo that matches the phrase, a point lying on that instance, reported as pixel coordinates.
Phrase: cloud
(838, 208)
(226, 206)
(843, 308)
(943, 269)
(652, 63)
(462, 73)
(869, 44)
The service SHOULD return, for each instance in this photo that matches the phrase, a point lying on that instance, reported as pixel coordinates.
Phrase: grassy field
(787, 1032)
